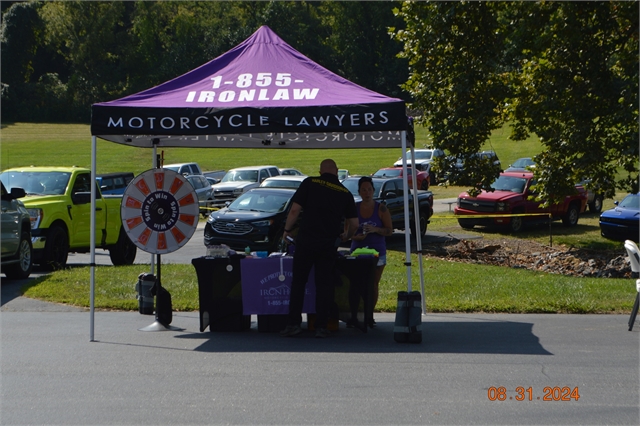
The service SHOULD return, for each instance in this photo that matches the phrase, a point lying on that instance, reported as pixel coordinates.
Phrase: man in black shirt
(325, 202)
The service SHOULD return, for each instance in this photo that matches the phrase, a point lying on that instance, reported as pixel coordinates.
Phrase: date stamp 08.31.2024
(549, 393)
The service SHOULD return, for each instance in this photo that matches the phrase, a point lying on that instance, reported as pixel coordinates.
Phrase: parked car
(521, 165)
(511, 196)
(114, 183)
(422, 157)
(17, 259)
(594, 198)
(422, 176)
(343, 174)
(289, 181)
(255, 219)
(238, 181)
(204, 191)
(185, 169)
(621, 222)
(291, 172)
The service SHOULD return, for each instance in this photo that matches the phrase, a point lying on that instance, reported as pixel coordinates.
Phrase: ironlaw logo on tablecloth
(266, 286)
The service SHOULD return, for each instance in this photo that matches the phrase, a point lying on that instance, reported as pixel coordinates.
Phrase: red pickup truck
(511, 196)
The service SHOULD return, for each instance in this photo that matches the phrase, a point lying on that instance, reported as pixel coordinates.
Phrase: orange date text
(549, 393)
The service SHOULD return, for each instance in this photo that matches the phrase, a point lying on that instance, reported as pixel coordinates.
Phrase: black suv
(16, 235)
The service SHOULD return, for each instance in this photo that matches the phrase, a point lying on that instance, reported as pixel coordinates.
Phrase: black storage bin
(145, 298)
(220, 294)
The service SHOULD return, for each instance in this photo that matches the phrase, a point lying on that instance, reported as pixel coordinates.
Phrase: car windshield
(509, 183)
(241, 176)
(36, 183)
(388, 173)
(631, 202)
(259, 201)
(352, 186)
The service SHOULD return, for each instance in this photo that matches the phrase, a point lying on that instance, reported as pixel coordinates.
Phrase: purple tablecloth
(266, 286)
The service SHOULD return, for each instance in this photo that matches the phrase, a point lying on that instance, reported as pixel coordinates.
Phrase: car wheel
(516, 224)
(22, 269)
(571, 218)
(124, 251)
(56, 249)
(422, 218)
(596, 205)
(465, 224)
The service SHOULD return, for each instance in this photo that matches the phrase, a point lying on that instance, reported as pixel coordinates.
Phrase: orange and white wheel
(159, 211)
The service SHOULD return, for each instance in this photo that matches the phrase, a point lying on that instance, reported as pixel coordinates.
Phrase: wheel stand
(157, 325)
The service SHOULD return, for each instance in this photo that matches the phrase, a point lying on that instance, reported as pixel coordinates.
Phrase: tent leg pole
(416, 224)
(407, 232)
(92, 240)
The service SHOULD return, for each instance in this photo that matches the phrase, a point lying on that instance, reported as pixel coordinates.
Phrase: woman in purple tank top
(375, 225)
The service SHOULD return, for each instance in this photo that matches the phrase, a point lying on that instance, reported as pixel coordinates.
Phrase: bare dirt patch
(515, 253)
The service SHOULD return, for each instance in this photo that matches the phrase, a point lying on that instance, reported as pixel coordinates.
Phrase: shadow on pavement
(494, 337)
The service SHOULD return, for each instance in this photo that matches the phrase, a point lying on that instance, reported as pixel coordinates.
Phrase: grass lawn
(449, 287)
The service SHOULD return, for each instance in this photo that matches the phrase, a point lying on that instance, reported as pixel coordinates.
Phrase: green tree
(577, 89)
(19, 39)
(456, 77)
(565, 71)
(169, 38)
(92, 37)
(357, 36)
(75, 53)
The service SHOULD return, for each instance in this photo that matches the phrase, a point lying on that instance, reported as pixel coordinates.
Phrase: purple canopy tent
(262, 94)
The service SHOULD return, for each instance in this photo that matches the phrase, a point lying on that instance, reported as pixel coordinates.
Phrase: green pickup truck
(59, 204)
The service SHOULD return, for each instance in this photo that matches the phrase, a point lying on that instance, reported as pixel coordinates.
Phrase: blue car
(622, 222)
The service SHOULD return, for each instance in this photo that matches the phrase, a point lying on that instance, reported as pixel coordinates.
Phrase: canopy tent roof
(262, 93)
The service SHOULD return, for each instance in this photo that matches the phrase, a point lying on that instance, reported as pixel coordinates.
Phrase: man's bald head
(329, 166)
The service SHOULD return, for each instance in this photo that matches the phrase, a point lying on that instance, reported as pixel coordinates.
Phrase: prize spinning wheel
(160, 211)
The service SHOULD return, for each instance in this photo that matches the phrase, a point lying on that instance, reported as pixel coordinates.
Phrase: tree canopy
(564, 71)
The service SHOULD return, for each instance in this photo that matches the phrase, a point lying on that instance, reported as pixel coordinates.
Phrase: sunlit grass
(448, 287)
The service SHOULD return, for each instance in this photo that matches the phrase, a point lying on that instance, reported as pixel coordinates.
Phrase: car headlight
(458, 202)
(36, 217)
(502, 207)
(210, 219)
(238, 191)
(262, 223)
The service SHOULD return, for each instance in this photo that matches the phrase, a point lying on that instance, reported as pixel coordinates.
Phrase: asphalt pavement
(488, 369)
